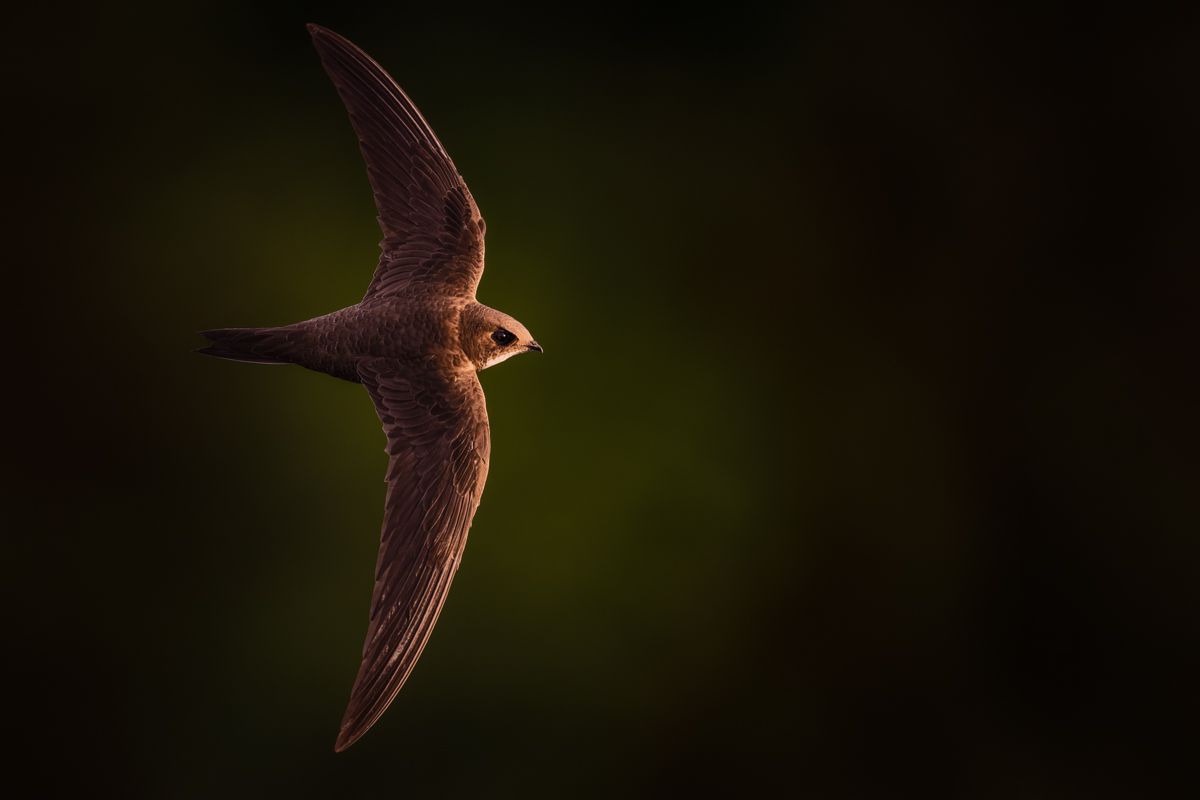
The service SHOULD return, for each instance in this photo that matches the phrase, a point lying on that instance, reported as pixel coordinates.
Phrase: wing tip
(344, 740)
(352, 729)
(328, 43)
(320, 34)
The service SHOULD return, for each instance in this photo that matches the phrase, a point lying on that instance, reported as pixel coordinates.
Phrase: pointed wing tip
(320, 34)
(328, 42)
(343, 742)
(348, 733)
(351, 731)
(323, 37)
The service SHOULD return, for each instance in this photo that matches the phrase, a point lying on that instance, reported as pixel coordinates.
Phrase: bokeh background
(862, 460)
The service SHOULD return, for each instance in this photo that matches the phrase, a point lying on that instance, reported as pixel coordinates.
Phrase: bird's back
(404, 330)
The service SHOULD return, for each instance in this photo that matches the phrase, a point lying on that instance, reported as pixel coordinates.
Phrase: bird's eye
(503, 337)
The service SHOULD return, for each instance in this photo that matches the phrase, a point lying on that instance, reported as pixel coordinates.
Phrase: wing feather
(432, 229)
(438, 445)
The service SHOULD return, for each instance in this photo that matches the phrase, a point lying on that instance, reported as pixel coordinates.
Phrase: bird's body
(415, 341)
(424, 332)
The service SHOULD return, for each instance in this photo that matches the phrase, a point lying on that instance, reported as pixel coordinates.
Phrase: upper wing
(432, 230)
(438, 440)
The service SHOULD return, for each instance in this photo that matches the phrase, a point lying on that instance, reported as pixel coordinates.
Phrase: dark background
(862, 460)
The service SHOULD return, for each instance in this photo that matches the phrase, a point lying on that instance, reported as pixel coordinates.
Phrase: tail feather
(251, 345)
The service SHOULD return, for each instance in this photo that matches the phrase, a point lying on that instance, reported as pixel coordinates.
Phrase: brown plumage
(415, 341)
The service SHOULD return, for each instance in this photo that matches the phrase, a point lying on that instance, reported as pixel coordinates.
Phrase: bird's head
(488, 336)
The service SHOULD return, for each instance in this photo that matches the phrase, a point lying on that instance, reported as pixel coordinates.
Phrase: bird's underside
(415, 342)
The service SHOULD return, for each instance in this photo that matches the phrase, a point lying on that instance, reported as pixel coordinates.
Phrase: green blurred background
(862, 459)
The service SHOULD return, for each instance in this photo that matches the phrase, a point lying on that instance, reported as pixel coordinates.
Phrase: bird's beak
(534, 346)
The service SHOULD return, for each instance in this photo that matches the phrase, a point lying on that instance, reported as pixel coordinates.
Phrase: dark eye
(503, 337)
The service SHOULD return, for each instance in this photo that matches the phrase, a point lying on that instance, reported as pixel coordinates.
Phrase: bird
(416, 341)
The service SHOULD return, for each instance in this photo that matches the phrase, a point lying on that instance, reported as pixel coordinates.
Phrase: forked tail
(252, 345)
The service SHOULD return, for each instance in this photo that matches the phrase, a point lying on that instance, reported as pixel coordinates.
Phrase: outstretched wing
(438, 441)
(432, 230)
